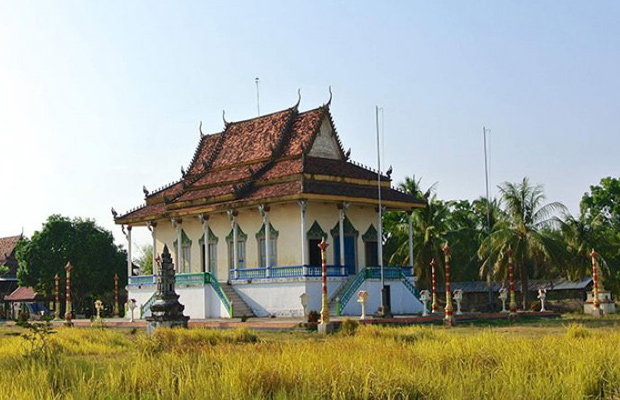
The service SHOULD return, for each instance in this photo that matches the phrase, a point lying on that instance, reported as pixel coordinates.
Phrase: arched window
(211, 248)
(273, 249)
(187, 252)
(370, 246)
(315, 235)
(241, 238)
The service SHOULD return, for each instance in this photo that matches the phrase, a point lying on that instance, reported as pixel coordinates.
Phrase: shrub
(577, 331)
(313, 316)
(349, 327)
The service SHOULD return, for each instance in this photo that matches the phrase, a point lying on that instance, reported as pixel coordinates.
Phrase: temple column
(410, 213)
(176, 224)
(204, 221)
(129, 263)
(264, 210)
(152, 225)
(304, 240)
(233, 220)
(342, 209)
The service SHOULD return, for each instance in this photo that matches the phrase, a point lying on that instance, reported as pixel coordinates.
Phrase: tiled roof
(259, 159)
(22, 294)
(7, 245)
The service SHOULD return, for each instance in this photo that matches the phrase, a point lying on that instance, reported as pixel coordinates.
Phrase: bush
(577, 331)
(313, 317)
(349, 327)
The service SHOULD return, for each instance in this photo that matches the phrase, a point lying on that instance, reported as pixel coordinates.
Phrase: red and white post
(434, 306)
(513, 301)
(57, 297)
(323, 325)
(449, 311)
(68, 269)
(595, 301)
(116, 311)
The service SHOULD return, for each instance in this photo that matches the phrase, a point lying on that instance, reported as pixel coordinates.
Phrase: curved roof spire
(298, 99)
(200, 129)
(224, 118)
(329, 102)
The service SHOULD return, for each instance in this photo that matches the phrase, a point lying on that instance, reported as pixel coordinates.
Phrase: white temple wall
(403, 301)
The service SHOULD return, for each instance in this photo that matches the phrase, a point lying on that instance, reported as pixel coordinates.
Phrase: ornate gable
(325, 143)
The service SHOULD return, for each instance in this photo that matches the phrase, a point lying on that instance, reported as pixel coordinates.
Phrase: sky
(98, 99)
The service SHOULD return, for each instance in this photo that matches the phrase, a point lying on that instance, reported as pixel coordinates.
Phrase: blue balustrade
(141, 280)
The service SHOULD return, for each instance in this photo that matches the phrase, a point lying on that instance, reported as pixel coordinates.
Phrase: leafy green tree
(88, 247)
(145, 260)
(527, 231)
(600, 219)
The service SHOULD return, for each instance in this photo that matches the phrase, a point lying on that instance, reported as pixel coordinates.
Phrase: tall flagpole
(490, 264)
(384, 294)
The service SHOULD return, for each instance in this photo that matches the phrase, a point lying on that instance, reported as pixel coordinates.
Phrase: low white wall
(200, 301)
(403, 301)
(282, 298)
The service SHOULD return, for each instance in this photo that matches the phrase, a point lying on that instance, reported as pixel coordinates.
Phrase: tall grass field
(567, 362)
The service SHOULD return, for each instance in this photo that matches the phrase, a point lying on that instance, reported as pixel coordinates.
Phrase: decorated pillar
(57, 305)
(116, 311)
(152, 225)
(513, 301)
(204, 221)
(129, 258)
(264, 210)
(341, 215)
(304, 239)
(448, 318)
(410, 214)
(176, 224)
(324, 304)
(68, 269)
(434, 306)
(233, 220)
(595, 287)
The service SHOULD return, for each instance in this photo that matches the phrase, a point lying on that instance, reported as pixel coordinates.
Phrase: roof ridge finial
(224, 118)
(296, 106)
(200, 130)
(329, 102)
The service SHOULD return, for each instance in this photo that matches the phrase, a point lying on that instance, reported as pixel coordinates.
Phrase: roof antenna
(257, 96)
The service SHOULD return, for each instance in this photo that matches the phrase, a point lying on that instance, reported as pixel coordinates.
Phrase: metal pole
(380, 237)
(490, 264)
(257, 97)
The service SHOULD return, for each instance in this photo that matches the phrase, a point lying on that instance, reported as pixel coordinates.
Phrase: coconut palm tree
(430, 225)
(526, 230)
(580, 237)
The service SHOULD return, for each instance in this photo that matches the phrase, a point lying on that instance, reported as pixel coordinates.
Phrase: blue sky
(97, 99)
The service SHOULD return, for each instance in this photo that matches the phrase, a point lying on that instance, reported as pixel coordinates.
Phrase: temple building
(244, 222)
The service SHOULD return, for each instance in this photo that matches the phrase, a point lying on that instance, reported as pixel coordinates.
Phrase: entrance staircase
(239, 307)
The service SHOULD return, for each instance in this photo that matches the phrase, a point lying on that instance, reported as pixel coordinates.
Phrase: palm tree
(526, 230)
(430, 225)
(580, 237)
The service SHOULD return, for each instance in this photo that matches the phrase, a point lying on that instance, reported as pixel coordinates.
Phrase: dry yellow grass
(573, 362)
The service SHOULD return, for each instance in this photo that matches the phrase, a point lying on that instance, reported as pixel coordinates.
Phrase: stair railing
(220, 293)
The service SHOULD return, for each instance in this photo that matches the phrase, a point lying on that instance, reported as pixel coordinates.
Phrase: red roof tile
(244, 158)
(22, 294)
(7, 245)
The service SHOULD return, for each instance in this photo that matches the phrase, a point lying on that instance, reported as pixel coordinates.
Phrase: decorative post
(57, 306)
(116, 313)
(233, 221)
(362, 298)
(341, 216)
(68, 269)
(434, 306)
(448, 318)
(324, 326)
(132, 306)
(304, 241)
(458, 298)
(513, 301)
(424, 298)
(98, 307)
(596, 300)
(503, 296)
